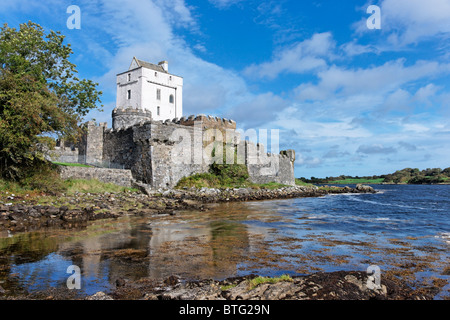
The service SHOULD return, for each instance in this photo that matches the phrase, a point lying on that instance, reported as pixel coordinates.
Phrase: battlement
(124, 118)
(207, 122)
(131, 111)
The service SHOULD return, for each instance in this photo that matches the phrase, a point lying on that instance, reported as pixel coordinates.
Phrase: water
(403, 229)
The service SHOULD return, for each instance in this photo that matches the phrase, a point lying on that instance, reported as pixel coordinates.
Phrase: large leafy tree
(40, 94)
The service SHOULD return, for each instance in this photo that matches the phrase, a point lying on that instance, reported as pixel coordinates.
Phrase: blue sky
(350, 100)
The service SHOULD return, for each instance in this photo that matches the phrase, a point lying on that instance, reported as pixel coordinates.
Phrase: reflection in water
(296, 236)
(192, 245)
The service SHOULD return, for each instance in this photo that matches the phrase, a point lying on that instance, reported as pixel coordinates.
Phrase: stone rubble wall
(63, 154)
(268, 167)
(116, 176)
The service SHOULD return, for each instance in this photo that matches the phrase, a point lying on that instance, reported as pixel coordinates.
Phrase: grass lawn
(299, 182)
(13, 191)
(93, 186)
(356, 181)
(71, 164)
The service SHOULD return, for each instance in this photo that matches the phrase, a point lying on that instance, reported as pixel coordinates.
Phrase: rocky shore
(341, 285)
(77, 210)
(209, 195)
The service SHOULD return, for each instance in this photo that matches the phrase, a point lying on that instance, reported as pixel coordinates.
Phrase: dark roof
(151, 66)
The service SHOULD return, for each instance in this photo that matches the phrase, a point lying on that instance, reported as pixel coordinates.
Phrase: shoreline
(74, 211)
(335, 285)
(338, 285)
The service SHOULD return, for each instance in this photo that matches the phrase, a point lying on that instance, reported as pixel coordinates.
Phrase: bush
(202, 180)
(44, 178)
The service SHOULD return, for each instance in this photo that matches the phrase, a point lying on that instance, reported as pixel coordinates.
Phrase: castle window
(158, 94)
(170, 78)
(129, 77)
(129, 94)
(156, 74)
(171, 100)
(158, 111)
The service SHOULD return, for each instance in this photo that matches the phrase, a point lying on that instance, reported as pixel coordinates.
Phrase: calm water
(405, 230)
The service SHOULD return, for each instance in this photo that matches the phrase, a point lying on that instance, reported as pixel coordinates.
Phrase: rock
(63, 209)
(365, 189)
(238, 292)
(340, 285)
(34, 213)
(120, 282)
(352, 279)
(51, 211)
(99, 296)
(172, 280)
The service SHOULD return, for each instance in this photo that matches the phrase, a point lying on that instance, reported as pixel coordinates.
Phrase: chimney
(164, 65)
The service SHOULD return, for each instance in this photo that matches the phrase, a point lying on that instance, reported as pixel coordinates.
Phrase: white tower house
(147, 86)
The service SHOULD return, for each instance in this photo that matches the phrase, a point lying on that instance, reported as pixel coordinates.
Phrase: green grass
(12, 187)
(356, 181)
(94, 186)
(65, 164)
(228, 287)
(260, 280)
(210, 180)
(69, 187)
(299, 182)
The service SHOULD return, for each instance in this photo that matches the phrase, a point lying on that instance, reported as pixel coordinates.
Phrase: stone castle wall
(125, 118)
(161, 153)
(119, 177)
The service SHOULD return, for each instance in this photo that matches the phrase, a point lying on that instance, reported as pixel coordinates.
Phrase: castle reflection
(192, 245)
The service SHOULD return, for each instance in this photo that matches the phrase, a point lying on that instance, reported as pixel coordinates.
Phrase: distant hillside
(405, 176)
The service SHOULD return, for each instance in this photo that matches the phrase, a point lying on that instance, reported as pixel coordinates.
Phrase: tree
(39, 95)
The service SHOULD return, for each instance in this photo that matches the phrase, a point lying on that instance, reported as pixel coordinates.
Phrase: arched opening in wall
(171, 99)
(158, 111)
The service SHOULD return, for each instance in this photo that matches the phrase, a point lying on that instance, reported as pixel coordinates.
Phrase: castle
(151, 137)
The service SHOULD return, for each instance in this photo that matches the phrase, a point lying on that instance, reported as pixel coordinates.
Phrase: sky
(347, 97)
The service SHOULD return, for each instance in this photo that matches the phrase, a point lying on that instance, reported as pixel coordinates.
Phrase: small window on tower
(156, 74)
(158, 94)
(129, 77)
(158, 111)
(129, 94)
(171, 100)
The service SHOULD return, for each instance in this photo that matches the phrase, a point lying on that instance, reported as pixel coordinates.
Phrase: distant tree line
(405, 176)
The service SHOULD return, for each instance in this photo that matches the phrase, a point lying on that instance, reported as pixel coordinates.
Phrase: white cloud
(223, 4)
(411, 21)
(425, 94)
(406, 22)
(376, 149)
(258, 109)
(307, 161)
(379, 80)
(178, 13)
(352, 48)
(302, 57)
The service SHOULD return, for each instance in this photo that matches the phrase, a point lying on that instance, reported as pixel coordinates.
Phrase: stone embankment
(76, 210)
